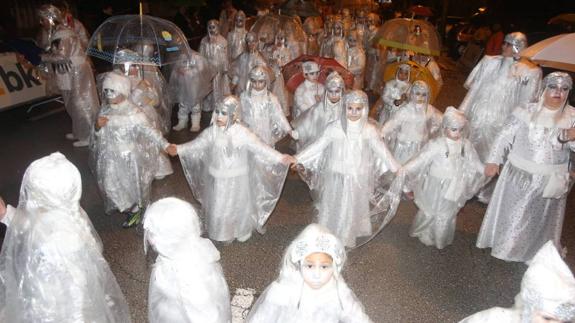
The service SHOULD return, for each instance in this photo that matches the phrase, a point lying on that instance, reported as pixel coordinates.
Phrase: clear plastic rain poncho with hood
(311, 124)
(289, 299)
(409, 129)
(187, 283)
(234, 175)
(528, 204)
(261, 110)
(237, 36)
(547, 293)
(51, 266)
(281, 55)
(310, 92)
(124, 152)
(443, 176)
(373, 74)
(73, 74)
(242, 66)
(342, 169)
(393, 93)
(214, 47)
(497, 85)
(355, 62)
(335, 46)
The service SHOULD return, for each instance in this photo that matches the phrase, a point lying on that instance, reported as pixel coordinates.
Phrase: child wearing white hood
(310, 287)
(187, 283)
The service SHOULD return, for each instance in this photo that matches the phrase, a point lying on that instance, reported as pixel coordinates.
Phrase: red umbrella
(293, 74)
(420, 10)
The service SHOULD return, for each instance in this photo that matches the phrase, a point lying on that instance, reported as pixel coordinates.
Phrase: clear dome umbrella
(269, 25)
(156, 41)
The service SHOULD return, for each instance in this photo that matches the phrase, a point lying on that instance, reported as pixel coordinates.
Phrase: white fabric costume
(528, 204)
(413, 125)
(214, 47)
(261, 110)
(393, 90)
(342, 167)
(187, 283)
(496, 86)
(234, 175)
(306, 93)
(289, 299)
(237, 37)
(73, 75)
(547, 288)
(190, 83)
(242, 66)
(311, 124)
(124, 152)
(51, 266)
(443, 176)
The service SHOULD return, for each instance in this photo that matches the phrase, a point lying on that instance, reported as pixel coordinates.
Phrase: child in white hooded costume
(261, 110)
(444, 175)
(310, 92)
(124, 151)
(234, 175)
(310, 287)
(394, 94)
(342, 168)
(51, 266)
(413, 125)
(547, 293)
(187, 283)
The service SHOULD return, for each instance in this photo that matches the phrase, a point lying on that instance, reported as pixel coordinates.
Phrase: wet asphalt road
(397, 278)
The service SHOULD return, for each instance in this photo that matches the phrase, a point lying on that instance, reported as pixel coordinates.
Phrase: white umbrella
(556, 52)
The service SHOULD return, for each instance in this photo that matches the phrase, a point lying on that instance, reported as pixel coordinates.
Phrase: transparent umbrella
(269, 25)
(414, 35)
(167, 41)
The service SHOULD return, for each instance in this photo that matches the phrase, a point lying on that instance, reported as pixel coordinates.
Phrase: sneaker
(80, 143)
(133, 218)
(70, 136)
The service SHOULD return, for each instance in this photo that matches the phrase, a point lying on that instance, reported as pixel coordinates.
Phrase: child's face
(317, 269)
(113, 96)
(402, 75)
(221, 117)
(419, 96)
(258, 85)
(312, 76)
(333, 95)
(354, 111)
(453, 133)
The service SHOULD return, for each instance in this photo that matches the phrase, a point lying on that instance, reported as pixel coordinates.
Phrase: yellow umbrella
(418, 73)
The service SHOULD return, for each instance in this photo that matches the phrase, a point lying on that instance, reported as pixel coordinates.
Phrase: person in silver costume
(281, 55)
(394, 95)
(342, 167)
(214, 47)
(124, 151)
(73, 75)
(310, 92)
(533, 149)
(51, 267)
(237, 36)
(261, 110)
(241, 67)
(409, 129)
(355, 62)
(236, 177)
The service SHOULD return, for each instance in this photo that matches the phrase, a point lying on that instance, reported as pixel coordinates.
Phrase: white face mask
(317, 269)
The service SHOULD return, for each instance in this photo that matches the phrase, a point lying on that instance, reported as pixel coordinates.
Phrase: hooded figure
(73, 75)
(534, 148)
(547, 293)
(497, 85)
(234, 175)
(342, 167)
(310, 92)
(394, 94)
(409, 129)
(241, 67)
(373, 74)
(281, 55)
(443, 175)
(310, 287)
(124, 150)
(237, 36)
(355, 62)
(190, 83)
(51, 266)
(187, 283)
(311, 124)
(214, 47)
(261, 110)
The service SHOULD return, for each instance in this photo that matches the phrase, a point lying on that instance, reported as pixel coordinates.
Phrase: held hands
(491, 170)
(288, 160)
(172, 150)
(317, 98)
(294, 135)
(569, 134)
(101, 122)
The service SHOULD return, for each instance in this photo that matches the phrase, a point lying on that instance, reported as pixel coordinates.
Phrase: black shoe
(133, 219)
